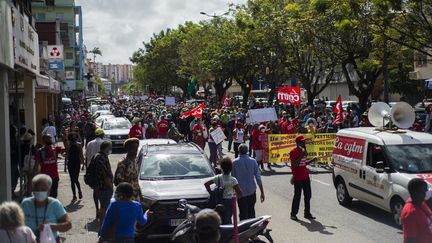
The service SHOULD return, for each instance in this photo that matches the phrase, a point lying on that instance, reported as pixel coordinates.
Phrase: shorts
(105, 198)
(258, 155)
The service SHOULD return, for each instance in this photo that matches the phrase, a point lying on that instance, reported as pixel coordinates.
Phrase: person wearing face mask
(122, 215)
(104, 178)
(41, 209)
(416, 215)
(200, 133)
(127, 170)
(47, 158)
(173, 133)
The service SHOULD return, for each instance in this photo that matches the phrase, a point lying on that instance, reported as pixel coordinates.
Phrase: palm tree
(95, 51)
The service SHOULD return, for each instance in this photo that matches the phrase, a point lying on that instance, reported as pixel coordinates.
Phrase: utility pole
(385, 72)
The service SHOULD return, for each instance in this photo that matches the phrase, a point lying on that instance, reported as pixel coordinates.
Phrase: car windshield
(412, 158)
(113, 125)
(170, 166)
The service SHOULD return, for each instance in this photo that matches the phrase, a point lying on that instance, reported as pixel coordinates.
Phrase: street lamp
(214, 15)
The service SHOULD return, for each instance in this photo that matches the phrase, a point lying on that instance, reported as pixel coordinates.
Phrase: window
(421, 59)
(40, 16)
(60, 16)
(69, 55)
(375, 154)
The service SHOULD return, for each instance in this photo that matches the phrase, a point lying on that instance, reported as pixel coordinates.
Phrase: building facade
(69, 16)
(119, 73)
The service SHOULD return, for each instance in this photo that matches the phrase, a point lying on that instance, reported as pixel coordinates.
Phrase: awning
(47, 84)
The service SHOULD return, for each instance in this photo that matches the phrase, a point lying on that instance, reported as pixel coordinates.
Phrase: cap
(99, 132)
(300, 138)
(130, 141)
(261, 127)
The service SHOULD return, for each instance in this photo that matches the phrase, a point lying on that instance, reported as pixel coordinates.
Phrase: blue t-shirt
(124, 215)
(35, 216)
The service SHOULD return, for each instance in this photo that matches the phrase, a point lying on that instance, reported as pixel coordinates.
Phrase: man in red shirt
(136, 131)
(47, 158)
(163, 127)
(416, 215)
(300, 178)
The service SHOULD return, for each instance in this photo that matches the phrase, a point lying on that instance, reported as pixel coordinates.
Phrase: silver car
(116, 130)
(167, 174)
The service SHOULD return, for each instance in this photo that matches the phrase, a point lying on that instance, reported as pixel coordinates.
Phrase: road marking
(325, 184)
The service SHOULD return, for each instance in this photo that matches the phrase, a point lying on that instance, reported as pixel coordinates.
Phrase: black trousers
(236, 151)
(300, 186)
(213, 153)
(54, 187)
(246, 206)
(74, 175)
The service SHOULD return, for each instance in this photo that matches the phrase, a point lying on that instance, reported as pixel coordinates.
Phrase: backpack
(90, 176)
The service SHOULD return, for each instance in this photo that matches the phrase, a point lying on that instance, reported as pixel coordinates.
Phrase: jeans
(304, 185)
(213, 153)
(236, 151)
(246, 206)
(228, 211)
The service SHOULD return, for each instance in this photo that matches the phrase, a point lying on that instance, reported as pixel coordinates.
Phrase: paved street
(334, 223)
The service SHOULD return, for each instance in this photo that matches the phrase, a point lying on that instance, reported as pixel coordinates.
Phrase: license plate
(176, 222)
(118, 142)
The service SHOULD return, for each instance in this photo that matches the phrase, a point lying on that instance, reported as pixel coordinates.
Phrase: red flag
(226, 102)
(195, 112)
(289, 95)
(339, 111)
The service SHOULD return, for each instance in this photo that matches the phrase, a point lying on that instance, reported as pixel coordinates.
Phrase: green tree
(95, 51)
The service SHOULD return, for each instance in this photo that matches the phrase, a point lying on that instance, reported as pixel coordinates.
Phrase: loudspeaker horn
(402, 115)
(379, 114)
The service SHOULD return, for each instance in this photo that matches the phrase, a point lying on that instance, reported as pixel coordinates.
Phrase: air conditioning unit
(414, 75)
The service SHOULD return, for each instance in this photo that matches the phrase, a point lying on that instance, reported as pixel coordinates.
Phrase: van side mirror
(379, 167)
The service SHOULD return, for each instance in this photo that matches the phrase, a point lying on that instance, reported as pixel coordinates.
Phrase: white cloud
(118, 27)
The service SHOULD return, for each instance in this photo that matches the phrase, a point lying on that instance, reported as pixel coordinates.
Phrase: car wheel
(396, 208)
(342, 195)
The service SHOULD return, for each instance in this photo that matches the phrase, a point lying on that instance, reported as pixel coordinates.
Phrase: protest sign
(289, 95)
(318, 146)
(169, 101)
(262, 115)
(218, 135)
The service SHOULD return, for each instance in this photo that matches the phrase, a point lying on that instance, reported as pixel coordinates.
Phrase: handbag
(29, 165)
(216, 195)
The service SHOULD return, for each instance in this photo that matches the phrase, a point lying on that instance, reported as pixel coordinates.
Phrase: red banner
(339, 111)
(289, 95)
(195, 112)
(349, 147)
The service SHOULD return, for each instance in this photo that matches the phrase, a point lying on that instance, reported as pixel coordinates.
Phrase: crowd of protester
(84, 148)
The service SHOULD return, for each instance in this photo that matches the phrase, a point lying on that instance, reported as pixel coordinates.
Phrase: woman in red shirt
(200, 133)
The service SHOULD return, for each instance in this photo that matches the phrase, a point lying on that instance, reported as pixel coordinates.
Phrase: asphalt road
(358, 223)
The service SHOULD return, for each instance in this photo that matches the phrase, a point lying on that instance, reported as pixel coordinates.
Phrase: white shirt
(22, 234)
(52, 131)
(239, 135)
(93, 147)
(227, 182)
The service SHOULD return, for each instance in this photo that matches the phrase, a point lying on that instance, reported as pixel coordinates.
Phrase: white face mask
(109, 152)
(428, 194)
(40, 196)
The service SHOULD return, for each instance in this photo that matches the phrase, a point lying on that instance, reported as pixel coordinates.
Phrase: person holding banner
(200, 133)
(300, 178)
(212, 144)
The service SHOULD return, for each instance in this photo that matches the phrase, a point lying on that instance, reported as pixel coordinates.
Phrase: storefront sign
(70, 75)
(6, 39)
(55, 52)
(25, 42)
(55, 66)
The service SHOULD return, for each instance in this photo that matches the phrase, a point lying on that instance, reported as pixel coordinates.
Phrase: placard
(262, 115)
(218, 135)
(169, 101)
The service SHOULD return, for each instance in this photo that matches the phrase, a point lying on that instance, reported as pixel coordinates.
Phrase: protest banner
(169, 101)
(218, 135)
(289, 95)
(318, 146)
(262, 115)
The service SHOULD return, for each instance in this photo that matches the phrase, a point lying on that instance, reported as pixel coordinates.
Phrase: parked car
(167, 174)
(117, 130)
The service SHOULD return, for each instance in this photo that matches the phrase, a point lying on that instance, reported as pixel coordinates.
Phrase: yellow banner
(318, 146)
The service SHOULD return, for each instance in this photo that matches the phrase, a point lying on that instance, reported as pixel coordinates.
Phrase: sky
(118, 27)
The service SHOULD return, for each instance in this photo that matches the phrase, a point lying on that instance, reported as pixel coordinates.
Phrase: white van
(375, 166)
